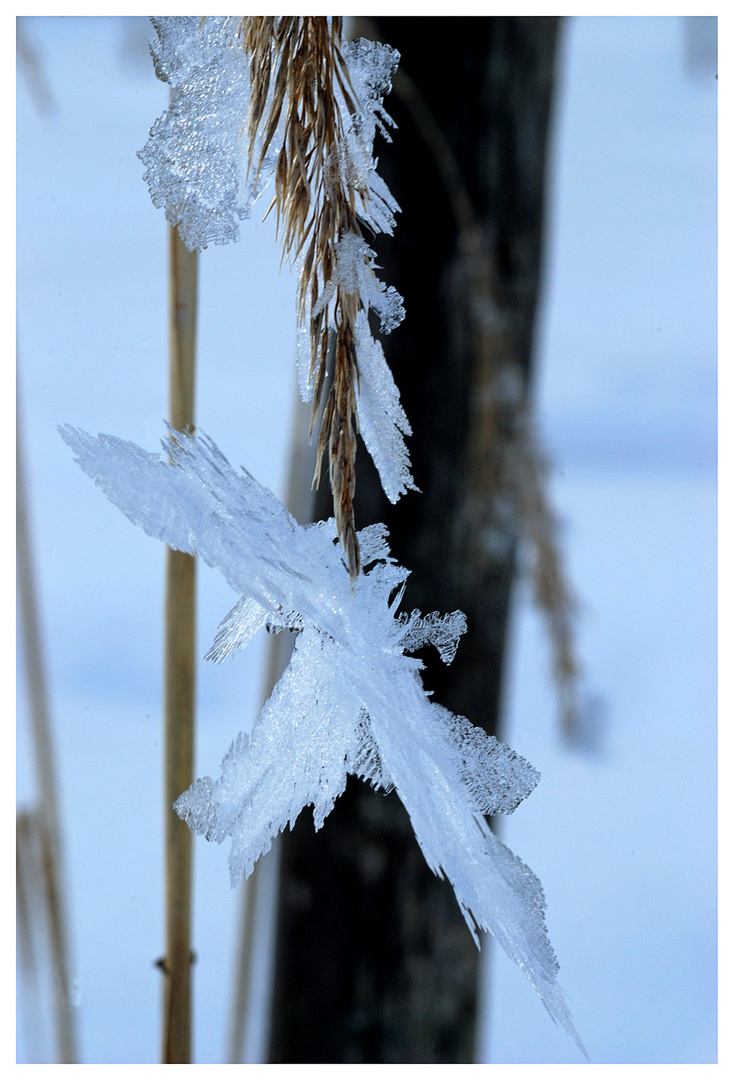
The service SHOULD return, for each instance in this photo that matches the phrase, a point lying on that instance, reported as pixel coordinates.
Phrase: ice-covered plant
(285, 99)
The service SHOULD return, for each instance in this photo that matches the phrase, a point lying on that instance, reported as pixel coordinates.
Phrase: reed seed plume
(299, 86)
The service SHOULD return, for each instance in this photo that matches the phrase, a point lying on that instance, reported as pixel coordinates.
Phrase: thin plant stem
(31, 906)
(243, 968)
(180, 651)
(45, 762)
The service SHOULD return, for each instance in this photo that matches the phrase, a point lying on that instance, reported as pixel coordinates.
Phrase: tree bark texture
(374, 961)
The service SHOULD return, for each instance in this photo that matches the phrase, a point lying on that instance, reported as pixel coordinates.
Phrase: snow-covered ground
(622, 833)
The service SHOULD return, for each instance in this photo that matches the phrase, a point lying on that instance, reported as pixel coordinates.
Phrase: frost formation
(196, 162)
(351, 700)
(196, 157)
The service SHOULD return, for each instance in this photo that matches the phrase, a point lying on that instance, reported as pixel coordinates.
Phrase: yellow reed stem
(180, 646)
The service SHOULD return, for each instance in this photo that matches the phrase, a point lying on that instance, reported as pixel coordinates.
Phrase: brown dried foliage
(296, 72)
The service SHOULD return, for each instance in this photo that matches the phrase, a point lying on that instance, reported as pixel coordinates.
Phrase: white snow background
(622, 833)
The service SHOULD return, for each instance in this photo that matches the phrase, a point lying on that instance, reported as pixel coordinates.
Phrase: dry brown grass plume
(298, 74)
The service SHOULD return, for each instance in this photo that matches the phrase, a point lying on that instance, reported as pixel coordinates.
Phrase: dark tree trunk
(374, 961)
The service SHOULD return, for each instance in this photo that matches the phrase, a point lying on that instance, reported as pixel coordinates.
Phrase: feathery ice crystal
(351, 700)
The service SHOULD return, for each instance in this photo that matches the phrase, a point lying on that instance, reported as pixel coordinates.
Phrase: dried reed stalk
(249, 897)
(26, 828)
(297, 75)
(31, 66)
(180, 642)
(47, 814)
(31, 907)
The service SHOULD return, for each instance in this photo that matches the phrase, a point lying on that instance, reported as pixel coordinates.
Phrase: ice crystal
(351, 699)
(196, 156)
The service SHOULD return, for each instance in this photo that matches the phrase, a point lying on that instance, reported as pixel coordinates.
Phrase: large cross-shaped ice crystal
(351, 699)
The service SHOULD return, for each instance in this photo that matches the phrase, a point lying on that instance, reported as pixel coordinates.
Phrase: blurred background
(622, 828)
